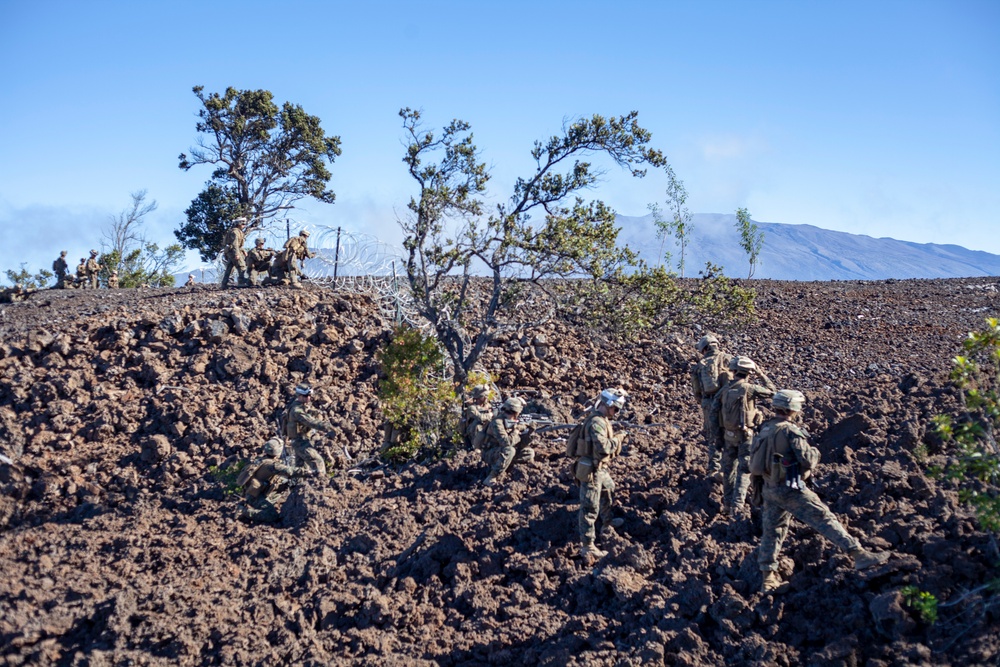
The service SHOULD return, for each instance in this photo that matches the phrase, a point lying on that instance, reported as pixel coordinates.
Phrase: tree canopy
(266, 158)
(569, 237)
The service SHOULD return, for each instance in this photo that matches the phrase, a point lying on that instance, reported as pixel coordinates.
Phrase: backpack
(734, 407)
(709, 370)
(761, 450)
(248, 472)
(576, 443)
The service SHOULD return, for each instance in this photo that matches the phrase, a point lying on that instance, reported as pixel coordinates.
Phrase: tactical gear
(707, 375)
(273, 447)
(744, 364)
(304, 232)
(480, 390)
(789, 399)
(614, 398)
(705, 341)
(583, 469)
(864, 559)
(259, 241)
(512, 405)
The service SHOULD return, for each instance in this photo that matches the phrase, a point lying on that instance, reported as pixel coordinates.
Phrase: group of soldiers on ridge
(263, 266)
(86, 276)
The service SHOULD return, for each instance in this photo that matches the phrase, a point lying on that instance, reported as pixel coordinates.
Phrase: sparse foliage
(751, 238)
(418, 402)
(679, 224)
(974, 466)
(449, 236)
(137, 260)
(27, 279)
(266, 158)
(923, 604)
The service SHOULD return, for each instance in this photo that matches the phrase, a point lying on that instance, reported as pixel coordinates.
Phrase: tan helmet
(789, 399)
(480, 390)
(259, 241)
(705, 341)
(614, 397)
(512, 405)
(303, 389)
(304, 232)
(93, 253)
(62, 254)
(239, 222)
(743, 364)
(273, 447)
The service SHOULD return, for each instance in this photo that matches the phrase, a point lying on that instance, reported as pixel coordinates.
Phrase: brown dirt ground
(120, 546)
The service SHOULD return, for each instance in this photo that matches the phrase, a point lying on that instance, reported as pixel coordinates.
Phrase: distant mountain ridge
(806, 252)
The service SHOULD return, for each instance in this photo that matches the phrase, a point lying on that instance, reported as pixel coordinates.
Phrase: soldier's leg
(714, 455)
(315, 461)
(742, 475)
(590, 498)
(730, 455)
(502, 459)
(524, 455)
(806, 506)
(242, 277)
(775, 529)
(607, 488)
(227, 273)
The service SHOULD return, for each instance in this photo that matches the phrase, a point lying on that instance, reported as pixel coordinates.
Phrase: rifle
(626, 426)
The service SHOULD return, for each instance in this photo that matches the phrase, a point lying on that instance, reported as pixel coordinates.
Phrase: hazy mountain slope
(805, 252)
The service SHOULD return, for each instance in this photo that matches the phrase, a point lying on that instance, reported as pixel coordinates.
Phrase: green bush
(974, 465)
(923, 604)
(227, 476)
(419, 402)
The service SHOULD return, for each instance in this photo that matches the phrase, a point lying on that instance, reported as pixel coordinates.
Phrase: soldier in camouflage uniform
(788, 463)
(266, 484)
(476, 418)
(81, 275)
(707, 376)
(259, 261)
(600, 445)
(736, 403)
(298, 426)
(507, 440)
(287, 267)
(234, 254)
(93, 269)
(113, 280)
(61, 269)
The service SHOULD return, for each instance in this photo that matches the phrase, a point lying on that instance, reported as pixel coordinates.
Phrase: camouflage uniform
(61, 269)
(267, 490)
(81, 274)
(259, 262)
(113, 280)
(234, 255)
(712, 357)
(506, 443)
(782, 502)
(298, 425)
(93, 270)
(735, 442)
(476, 418)
(595, 491)
(295, 248)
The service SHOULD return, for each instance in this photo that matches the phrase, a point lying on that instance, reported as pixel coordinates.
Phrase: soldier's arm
(805, 454)
(758, 391)
(604, 444)
(696, 383)
(303, 417)
(506, 437)
(773, 388)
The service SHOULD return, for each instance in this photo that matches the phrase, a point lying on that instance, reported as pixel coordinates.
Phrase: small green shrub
(227, 476)
(922, 603)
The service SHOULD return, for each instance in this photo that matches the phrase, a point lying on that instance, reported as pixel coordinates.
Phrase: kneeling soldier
(299, 425)
(265, 483)
(507, 440)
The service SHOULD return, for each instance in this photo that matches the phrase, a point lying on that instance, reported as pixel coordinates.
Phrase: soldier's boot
(590, 552)
(864, 559)
(772, 583)
(490, 480)
(608, 533)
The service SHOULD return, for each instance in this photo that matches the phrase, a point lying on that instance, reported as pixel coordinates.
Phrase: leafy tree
(29, 280)
(974, 466)
(679, 224)
(265, 157)
(662, 232)
(208, 218)
(751, 239)
(571, 238)
(137, 260)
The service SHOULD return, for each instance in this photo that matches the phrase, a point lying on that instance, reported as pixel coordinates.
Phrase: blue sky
(878, 118)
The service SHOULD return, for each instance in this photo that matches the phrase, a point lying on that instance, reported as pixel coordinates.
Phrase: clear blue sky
(879, 118)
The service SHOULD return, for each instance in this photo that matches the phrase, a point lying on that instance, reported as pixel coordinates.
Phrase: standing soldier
(81, 274)
(61, 269)
(736, 408)
(113, 280)
(93, 269)
(707, 376)
(507, 440)
(783, 458)
(295, 249)
(266, 483)
(476, 418)
(190, 281)
(259, 261)
(299, 425)
(598, 444)
(234, 254)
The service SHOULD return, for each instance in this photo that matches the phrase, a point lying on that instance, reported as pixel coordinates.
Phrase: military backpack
(709, 370)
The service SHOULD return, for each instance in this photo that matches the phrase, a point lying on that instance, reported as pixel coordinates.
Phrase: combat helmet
(259, 241)
(742, 364)
(480, 390)
(273, 447)
(512, 405)
(303, 389)
(614, 398)
(789, 399)
(705, 341)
